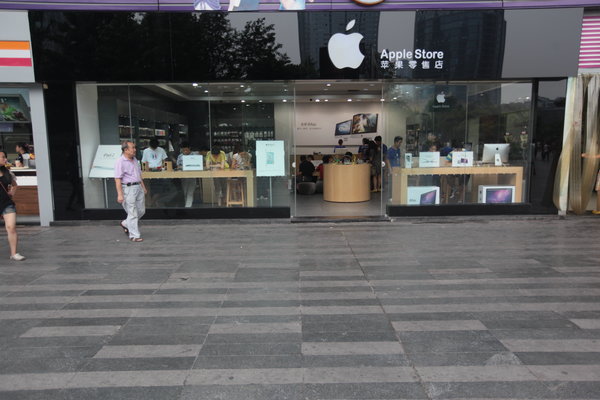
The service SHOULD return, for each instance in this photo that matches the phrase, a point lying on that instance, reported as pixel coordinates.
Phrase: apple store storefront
(307, 115)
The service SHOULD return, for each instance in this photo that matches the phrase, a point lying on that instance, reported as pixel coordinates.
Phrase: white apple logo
(343, 49)
(441, 98)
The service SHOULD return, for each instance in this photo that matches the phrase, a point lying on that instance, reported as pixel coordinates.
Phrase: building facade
(476, 92)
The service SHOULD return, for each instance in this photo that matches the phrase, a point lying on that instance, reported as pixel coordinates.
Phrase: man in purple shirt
(130, 190)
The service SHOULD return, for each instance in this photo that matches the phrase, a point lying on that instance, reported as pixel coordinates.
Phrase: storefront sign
(16, 60)
(418, 59)
(104, 161)
(344, 50)
(270, 158)
(193, 162)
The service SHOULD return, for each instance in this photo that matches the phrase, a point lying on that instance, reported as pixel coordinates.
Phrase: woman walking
(8, 187)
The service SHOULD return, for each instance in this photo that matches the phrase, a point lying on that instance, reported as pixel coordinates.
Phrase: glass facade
(199, 144)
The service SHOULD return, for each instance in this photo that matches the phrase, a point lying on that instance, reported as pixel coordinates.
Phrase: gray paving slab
(305, 311)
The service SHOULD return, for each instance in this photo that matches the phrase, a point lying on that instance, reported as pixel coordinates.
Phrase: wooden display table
(223, 173)
(484, 175)
(347, 183)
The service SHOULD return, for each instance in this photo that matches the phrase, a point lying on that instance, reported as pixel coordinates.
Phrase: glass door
(339, 150)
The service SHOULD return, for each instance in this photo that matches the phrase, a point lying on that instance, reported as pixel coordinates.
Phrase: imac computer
(491, 149)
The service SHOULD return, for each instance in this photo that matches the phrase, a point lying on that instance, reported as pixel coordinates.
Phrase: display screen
(343, 128)
(498, 196)
(428, 198)
(364, 123)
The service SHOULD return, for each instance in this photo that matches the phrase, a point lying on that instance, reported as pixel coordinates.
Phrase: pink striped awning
(589, 50)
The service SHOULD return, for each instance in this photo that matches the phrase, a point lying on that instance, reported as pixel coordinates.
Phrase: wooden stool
(235, 193)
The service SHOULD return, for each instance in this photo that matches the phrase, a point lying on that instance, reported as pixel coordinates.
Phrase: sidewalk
(414, 309)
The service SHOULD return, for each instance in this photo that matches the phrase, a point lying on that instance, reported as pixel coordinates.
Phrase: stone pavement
(448, 309)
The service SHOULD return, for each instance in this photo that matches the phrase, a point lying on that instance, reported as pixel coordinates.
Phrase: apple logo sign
(441, 98)
(343, 49)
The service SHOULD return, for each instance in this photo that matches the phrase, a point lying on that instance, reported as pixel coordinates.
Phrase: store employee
(393, 153)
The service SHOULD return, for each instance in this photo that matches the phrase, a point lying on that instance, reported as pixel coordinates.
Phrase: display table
(483, 175)
(26, 197)
(346, 183)
(224, 173)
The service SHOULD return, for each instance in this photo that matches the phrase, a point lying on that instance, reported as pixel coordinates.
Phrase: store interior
(311, 117)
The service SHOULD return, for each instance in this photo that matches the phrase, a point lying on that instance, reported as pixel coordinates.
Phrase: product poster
(104, 161)
(270, 158)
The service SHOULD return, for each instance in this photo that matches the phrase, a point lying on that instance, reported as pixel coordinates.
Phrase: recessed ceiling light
(381, 99)
(349, 99)
(284, 100)
(260, 101)
(243, 101)
(317, 100)
(206, 91)
(241, 85)
(194, 84)
(395, 98)
(326, 100)
(329, 84)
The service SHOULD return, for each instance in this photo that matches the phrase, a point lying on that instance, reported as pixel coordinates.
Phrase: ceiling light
(206, 91)
(260, 101)
(326, 100)
(194, 84)
(241, 85)
(284, 100)
(395, 98)
(349, 99)
(285, 90)
(381, 99)
(317, 100)
(243, 101)
(329, 84)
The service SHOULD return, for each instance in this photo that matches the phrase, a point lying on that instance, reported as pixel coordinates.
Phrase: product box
(423, 195)
(496, 194)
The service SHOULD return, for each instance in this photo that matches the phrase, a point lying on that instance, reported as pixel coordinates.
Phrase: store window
(200, 145)
(16, 139)
(462, 143)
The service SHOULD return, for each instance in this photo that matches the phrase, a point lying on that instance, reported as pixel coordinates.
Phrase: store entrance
(338, 150)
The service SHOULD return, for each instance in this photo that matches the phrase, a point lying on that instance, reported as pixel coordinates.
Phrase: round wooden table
(346, 183)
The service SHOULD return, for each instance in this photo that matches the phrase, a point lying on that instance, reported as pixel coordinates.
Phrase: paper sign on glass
(192, 162)
(270, 158)
(428, 159)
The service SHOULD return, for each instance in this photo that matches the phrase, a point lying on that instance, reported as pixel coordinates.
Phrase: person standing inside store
(8, 188)
(340, 145)
(130, 190)
(394, 158)
(153, 158)
(363, 150)
(597, 187)
(187, 184)
(217, 160)
(22, 159)
(375, 158)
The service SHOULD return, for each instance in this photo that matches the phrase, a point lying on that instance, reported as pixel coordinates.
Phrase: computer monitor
(364, 123)
(428, 198)
(343, 128)
(491, 149)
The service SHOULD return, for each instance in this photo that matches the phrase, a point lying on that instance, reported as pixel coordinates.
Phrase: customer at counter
(321, 167)
(306, 169)
(363, 150)
(241, 159)
(23, 156)
(188, 185)
(152, 160)
(216, 160)
(8, 188)
(394, 153)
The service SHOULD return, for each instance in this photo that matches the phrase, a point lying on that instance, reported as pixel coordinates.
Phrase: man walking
(130, 190)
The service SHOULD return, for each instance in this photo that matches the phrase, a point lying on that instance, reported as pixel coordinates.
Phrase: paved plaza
(478, 308)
